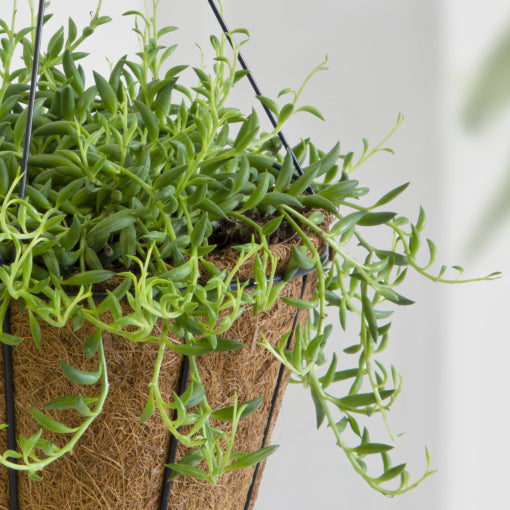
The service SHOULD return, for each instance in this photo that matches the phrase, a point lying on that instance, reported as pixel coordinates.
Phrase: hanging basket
(120, 464)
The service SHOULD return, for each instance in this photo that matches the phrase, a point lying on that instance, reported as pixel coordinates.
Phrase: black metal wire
(9, 409)
(257, 90)
(183, 381)
(276, 394)
(31, 99)
(172, 449)
(7, 349)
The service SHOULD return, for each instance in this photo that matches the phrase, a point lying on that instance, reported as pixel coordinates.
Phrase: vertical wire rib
(172, 447)
(276, 394)
(7, 349)
(9, 413)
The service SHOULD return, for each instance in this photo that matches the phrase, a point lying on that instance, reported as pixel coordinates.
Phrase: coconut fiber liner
(118, 464)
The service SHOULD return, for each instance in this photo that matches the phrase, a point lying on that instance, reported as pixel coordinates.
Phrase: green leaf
(320, 415)
(285, 114)
(34, 476)
(35, 329)
(211, 207)
(240, 74)
(11, 454)
(193, 395)
(169, 177)
(302, 304)
(372, 219)
(166, 30)
(362, 399)
(353, 349)
(276, 198)
(106, 226)
(72, 72)
(148, 409)
(433, 252)
(72, 236)
(414, 242)
(343, 375)
(300, 258)
(269, 103)
(127, 244)
(202, 347)
(392, 473)
(391, 195)
(192, 459)
(179, 273)
(347, 223)
(9, 339)
(258, 194)
(81, 406)
(285, 173)
(341, 425)
(369, 314)
(85, 102)
(28, 444)
(330, 374)
(192, 471)
(272, 226)
(396, 258)
(92, 343)
(318, 202)
(420, 224)
(305, 180)
(79, 376)
(227, 413)
(394, 297)
(247, 133)
(106, 92)
(252, 458)
(49, 423)
(89, 277)
(311, 109)
(199, 231)
(68, 402)
(56, 43)
(150, 120)
(329, 165)
(372, 448)
(19, 129)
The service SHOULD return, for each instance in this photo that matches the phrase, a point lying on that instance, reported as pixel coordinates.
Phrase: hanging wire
(7, 349)
(269, 113)
(31, 100)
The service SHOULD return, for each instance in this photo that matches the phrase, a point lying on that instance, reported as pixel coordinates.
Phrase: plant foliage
(133, 173)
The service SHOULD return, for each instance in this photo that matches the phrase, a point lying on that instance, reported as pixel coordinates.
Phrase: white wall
(384, 57)
(478, 163)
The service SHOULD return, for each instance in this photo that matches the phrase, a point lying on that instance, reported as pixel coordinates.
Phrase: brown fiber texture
(118, 464)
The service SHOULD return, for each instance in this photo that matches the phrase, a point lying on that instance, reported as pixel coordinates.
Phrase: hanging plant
(157, 213)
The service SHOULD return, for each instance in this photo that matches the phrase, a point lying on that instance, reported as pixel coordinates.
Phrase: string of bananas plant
(133, 175)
